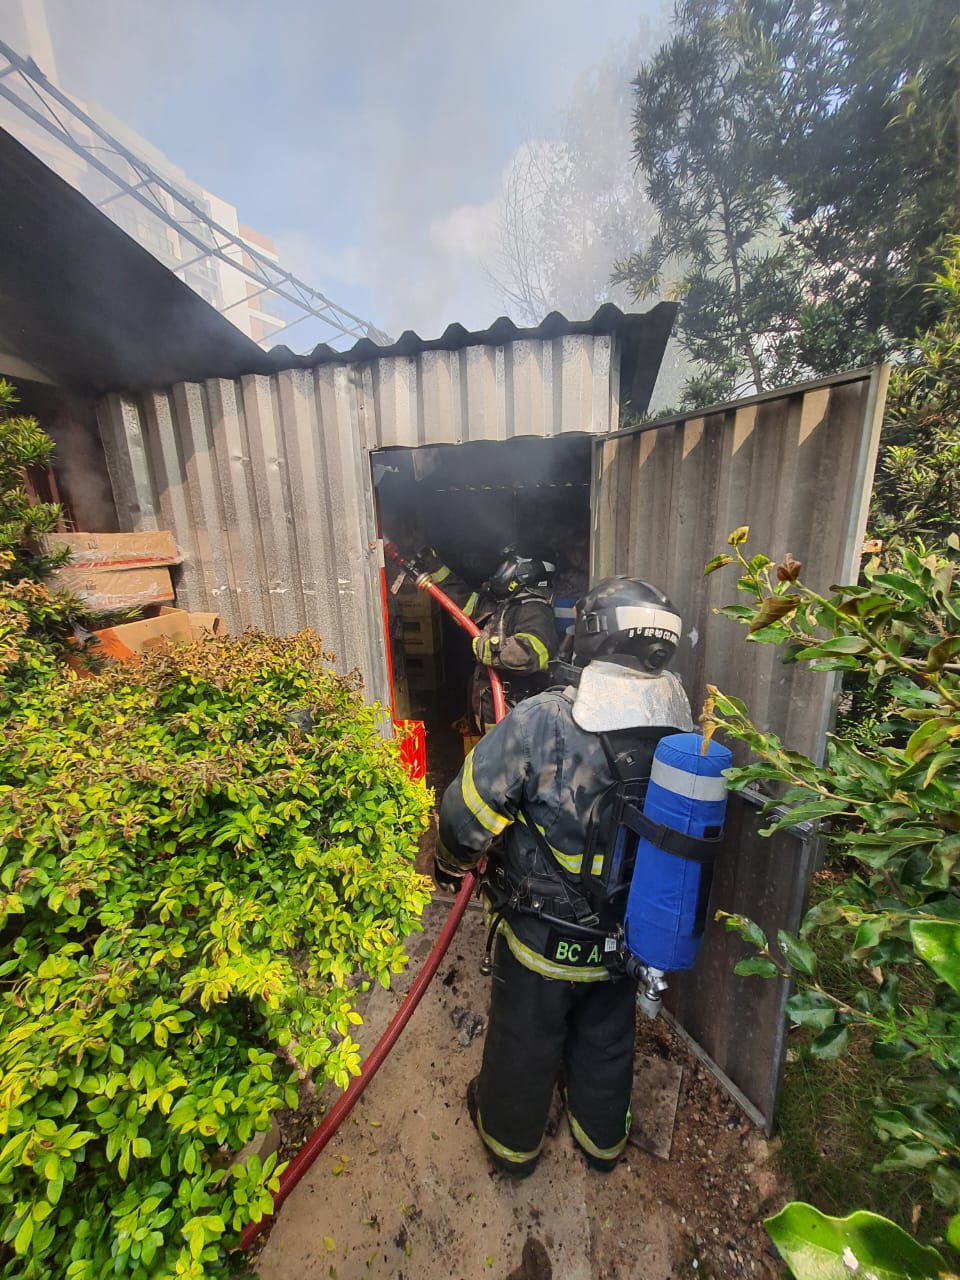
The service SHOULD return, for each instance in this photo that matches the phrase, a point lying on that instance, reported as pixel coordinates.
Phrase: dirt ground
(404, 1189)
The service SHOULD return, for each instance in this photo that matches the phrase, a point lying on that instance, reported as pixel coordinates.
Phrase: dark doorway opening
(468, 502)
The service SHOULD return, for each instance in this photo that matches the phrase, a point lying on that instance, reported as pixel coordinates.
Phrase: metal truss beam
(56, 113)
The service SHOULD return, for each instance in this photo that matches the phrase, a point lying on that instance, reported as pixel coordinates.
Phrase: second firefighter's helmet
(517, 570)
(629, 618)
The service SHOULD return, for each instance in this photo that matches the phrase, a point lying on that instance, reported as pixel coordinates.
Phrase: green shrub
(23, 522)
(201, 858)
(917, 491)
(890, 799)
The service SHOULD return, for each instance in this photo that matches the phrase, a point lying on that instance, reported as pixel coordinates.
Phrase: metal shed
(265, 480)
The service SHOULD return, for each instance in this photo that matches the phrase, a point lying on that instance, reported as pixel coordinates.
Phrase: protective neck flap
(611, 696)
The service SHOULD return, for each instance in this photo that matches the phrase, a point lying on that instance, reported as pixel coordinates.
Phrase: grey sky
(368, 139)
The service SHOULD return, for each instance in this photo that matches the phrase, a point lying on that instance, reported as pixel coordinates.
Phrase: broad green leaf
(946, 905)
(831, 1042)
(774, 634)
(839, 645)
(797, 953)
(895, 1124)
(755, 966)
(789, 652)
(938, 945)
(911, 1155)
(772, 609)
(21, 1241)
(810, 1009)
(872, 605)
(718, 562)
(943, 652)
(867, 937)
(811, 812)
(817, 1247)
(848, 759)
(903, 586)
(746, 928)
(890, 1051)
(930, 735)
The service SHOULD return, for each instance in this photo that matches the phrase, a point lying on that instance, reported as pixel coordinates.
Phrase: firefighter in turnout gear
(532, 799)
(518, 633)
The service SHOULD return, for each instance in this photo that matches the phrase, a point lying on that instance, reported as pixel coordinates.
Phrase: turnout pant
(539, 1028)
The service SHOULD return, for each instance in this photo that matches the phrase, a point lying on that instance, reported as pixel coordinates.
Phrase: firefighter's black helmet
(629, 618)
(517, 570)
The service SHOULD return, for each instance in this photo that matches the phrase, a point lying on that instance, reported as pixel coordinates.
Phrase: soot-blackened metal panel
(797, 467)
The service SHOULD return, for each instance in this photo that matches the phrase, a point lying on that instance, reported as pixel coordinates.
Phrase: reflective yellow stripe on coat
(487, 817)
(538, 647)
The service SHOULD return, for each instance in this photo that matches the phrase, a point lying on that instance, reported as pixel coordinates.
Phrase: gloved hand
(419, 565)
(486, 647)
(449, 881)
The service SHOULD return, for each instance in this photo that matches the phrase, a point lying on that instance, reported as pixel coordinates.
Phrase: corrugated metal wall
(797, 467)
(265, 482)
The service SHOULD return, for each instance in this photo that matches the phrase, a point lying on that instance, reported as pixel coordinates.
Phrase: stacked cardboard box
(116, 570)
(420, 622)
(425, 671)
(125, 642)
(421, 637)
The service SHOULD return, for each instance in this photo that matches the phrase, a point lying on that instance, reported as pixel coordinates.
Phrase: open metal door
(797, 467)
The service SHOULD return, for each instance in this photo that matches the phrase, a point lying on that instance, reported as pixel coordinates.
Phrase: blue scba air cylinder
(667, 901)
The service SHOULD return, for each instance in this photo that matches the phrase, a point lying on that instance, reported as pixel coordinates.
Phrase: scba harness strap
(692, 848)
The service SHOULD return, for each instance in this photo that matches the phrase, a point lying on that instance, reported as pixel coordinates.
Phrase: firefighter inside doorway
(518, 634)
(470, 502)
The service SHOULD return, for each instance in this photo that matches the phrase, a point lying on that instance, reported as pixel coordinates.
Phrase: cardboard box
(200, 625)
(105, 589)
(124, 642)
(414, 605)
(425, 670)
(421, 634)
(116, 550)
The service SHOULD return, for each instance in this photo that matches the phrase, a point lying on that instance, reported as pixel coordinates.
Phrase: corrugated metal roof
(266, 484)
(642, 338)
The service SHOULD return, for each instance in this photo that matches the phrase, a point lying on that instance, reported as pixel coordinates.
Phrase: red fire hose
(423, 582)
(331, 1122)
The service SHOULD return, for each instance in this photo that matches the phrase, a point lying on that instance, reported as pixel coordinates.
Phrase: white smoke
(370, 141)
